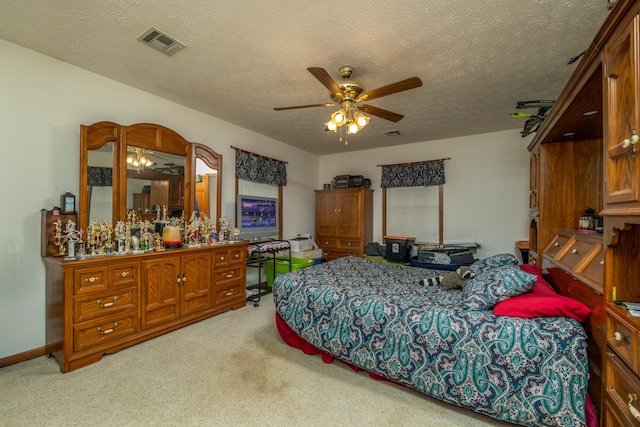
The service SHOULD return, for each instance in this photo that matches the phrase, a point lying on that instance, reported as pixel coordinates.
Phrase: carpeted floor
(229, 370)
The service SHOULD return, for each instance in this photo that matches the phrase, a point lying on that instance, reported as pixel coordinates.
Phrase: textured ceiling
(476, 59)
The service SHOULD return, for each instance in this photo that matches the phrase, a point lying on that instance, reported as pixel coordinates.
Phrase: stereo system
(351, 181)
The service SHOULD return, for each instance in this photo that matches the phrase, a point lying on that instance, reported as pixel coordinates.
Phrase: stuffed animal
(454, 280)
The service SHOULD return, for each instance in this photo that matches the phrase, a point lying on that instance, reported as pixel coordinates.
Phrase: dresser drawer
(327, 242)
(102, 331)
(231, 256)
(621, 338)
(351, 245)
(229, 293)
(622, 389)
(223, 277)
(123, 275)
(90, 279)
(94, 306)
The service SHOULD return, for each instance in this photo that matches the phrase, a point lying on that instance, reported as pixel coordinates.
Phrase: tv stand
(257, 253)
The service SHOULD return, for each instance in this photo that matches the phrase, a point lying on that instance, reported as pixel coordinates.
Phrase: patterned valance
(99, 177)
(257, 168)
(417, 174)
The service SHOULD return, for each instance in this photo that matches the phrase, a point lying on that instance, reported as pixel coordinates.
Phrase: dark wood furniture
(583, 160)
(344, 221)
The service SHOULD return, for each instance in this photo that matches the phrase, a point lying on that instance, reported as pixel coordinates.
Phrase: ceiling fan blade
(303, 106)
(328, 82)
(410, 83)
(379, 112)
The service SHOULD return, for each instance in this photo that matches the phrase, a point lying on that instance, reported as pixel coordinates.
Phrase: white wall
(43, 103)
(486, 195)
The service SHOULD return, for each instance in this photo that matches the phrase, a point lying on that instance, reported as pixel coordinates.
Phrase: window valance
(416, 174)
(99, 176)
(256, 168)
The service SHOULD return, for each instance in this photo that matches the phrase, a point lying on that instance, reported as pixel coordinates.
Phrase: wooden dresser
(101, 305)
(344, 221)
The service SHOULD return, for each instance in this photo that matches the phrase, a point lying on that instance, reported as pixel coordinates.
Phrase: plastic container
(282, 266)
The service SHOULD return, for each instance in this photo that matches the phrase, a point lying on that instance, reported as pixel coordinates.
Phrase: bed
(524, 368)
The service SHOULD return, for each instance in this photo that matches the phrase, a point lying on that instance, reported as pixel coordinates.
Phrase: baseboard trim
(22, 357)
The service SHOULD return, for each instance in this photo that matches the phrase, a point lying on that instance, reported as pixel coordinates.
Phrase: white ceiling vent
(161, 41)
(392, 132)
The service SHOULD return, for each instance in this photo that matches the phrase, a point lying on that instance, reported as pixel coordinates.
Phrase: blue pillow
(495, 261)
(495, 285)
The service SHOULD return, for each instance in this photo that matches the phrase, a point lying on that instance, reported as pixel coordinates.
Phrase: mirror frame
(148, 136)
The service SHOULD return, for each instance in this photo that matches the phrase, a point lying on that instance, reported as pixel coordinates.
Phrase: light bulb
(362, 120)
(338, 117)
(331, 125)
(130, 160)
(353, 128)
(135, 163)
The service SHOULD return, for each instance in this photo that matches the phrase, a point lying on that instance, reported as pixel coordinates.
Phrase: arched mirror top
(125, 141)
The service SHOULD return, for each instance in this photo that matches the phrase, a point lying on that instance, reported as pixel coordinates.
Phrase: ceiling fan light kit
(349, 94)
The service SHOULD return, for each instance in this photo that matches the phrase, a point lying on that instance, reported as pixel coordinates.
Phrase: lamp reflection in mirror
(138, 159)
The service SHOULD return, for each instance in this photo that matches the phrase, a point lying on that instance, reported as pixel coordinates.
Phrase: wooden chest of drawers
(99, 306)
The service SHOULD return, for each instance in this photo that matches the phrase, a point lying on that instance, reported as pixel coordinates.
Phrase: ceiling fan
(349, 94)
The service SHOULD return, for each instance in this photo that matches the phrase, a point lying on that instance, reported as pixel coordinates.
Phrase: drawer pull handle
(221, 258)
(107, 304)
(632, 398)
(228, 293)
(236, 256)
(124, 273)
(178, 279)
(184, 278)
(602, 262)
(228, 276)
(619, 337)
(349, 244)
(107, 331)
(556, 244)
(91, 279)
(575, 251)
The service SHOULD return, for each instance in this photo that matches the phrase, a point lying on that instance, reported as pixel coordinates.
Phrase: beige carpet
(229, 370)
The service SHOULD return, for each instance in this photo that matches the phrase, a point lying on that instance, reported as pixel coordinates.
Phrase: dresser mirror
(141, 167)
(100, 182)
(154, 179)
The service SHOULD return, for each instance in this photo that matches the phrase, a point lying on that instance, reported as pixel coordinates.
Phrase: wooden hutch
(584, 155)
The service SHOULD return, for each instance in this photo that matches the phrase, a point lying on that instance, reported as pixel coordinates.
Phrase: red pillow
(541, 301)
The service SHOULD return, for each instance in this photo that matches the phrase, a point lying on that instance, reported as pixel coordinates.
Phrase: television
(257, 217)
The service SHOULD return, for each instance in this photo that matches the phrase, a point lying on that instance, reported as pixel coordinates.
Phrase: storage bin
(282, 266)
(398, 248)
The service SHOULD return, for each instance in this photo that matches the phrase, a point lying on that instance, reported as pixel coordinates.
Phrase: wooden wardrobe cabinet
(344, 221)
(101, 305)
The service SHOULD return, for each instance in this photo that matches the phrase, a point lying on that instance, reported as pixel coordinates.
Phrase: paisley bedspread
(376, 316)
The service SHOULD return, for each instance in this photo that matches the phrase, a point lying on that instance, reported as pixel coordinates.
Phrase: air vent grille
(392, 132)
(161, 41)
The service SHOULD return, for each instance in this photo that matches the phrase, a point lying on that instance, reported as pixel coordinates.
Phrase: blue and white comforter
(376, 316)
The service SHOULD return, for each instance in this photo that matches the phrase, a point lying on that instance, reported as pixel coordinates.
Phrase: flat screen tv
(257, 217)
